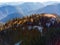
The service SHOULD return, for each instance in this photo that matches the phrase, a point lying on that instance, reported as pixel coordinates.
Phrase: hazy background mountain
(50, 9)
(29, 6)
(12, 16)
(8, 12)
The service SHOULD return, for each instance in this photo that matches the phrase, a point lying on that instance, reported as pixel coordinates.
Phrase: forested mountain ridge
(31, 30)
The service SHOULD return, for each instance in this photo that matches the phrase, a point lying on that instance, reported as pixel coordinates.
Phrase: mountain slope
(50, 9)
(23, 8)
(12, 16)
(6, 10)
(29, 6)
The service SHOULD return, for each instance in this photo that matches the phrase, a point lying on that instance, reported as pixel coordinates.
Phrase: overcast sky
(3, 1)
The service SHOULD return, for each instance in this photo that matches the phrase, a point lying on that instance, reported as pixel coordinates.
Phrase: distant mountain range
(12, 16)
(30, 6)
(8, 12)
(55, 9)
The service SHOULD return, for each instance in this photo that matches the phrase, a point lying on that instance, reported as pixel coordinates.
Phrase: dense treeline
(37, 29)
